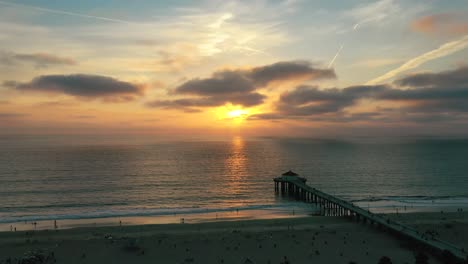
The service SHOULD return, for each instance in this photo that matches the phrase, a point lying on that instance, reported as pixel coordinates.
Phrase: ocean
(58, 178)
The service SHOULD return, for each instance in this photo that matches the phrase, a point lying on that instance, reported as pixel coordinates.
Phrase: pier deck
(332, 205)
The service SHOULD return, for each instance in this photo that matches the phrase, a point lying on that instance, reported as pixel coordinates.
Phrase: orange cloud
(442, 23)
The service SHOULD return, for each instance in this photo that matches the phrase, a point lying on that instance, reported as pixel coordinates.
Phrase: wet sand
(317, 239)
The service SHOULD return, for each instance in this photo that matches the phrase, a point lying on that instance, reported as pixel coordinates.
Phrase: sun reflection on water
(236, 159)
(236, 169)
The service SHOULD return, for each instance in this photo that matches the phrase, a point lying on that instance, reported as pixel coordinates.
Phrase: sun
(233, 114)
(237, 113)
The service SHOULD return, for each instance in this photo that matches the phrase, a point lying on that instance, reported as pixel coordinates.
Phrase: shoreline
(208, 217)
(318, 239)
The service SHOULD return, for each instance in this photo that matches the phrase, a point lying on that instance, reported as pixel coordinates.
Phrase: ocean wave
(144, 212)
(52, 206)
(411, 198)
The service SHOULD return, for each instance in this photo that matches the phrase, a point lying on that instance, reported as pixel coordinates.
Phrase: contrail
(61, 12)
(374, 12)
(247, 48)
(336, 56)
(355, 27)
(442, 51)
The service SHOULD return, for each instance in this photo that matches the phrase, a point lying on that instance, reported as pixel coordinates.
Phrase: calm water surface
(63, 178)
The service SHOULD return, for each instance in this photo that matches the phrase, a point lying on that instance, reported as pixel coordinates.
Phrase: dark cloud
(83, 86)
(40, 60)
(226, 82)
(349, 117)
(241, 81)
(434, 117)
(9, 84)
(84, 117)
(248, 99)
(240, 87)
(307, 100)
(287, 70)
(266, 116)
(12, 115)
(451, 105)
(425, 94)
(424, 97)
(61, 103)
(432, 92)
(332, 117)
(448, 79)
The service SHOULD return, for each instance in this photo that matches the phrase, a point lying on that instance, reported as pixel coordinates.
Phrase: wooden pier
(292, 185)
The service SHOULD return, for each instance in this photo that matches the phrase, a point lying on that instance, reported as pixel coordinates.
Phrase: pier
(292, 184)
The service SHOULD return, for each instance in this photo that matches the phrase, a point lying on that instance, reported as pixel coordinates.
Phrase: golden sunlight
(233, 115)
(237, 113)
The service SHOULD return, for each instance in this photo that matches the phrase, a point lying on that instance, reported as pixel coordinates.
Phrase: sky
(219, 68)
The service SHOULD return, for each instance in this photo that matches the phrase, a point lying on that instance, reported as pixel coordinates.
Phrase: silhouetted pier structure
(292, 184)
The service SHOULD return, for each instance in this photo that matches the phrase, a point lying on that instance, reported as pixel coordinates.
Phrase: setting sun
(237, 113)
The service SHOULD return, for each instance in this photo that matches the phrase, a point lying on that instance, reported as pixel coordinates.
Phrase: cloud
(217, 31)
(266, 116)
(289, 70)
(435, 118)
(240, 87)
(442, 24)
(82, 86)
(148, 42)
(67, 13)
(450, 79)
(253, 29)
(84, 116)
(247, 99)
(374, 12)
(349, 117)
(61, 103)
(40, 60)
(11, 115)
(424, 97)
(442, 51)
(241, 81)
(374, 63)
(221, 20)
(225, 82)
(307, 100)
(432, 92)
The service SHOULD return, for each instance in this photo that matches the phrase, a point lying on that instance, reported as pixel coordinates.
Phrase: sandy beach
(317, 239)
